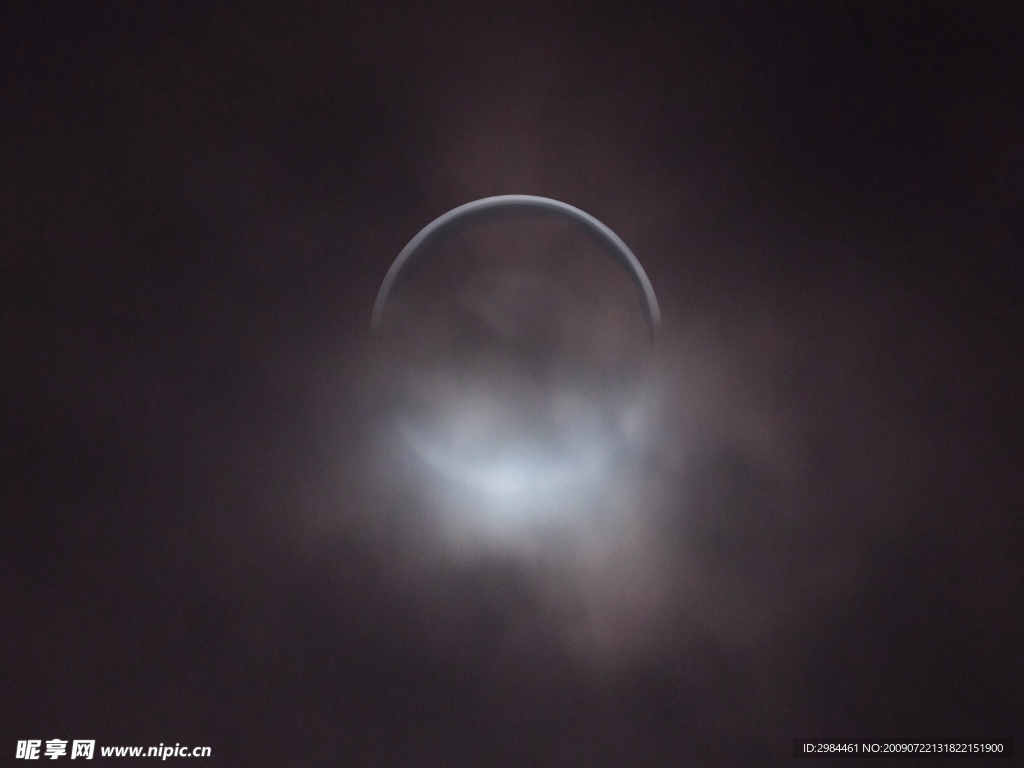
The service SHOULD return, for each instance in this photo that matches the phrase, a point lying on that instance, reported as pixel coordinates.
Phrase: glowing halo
(413, 252)
(521, 475)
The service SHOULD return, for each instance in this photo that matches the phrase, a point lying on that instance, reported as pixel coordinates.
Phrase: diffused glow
(511, 474)
(507, 438)
(515, 474)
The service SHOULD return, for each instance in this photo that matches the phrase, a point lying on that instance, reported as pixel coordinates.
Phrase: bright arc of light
(515, 476)
(415, 251)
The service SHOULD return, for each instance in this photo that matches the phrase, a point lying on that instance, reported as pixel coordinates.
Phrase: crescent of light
(409, 259)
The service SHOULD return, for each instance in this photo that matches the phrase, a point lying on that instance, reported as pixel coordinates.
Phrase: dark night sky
(204, 540)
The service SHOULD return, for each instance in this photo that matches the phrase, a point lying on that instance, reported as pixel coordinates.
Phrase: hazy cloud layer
(217, 534)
